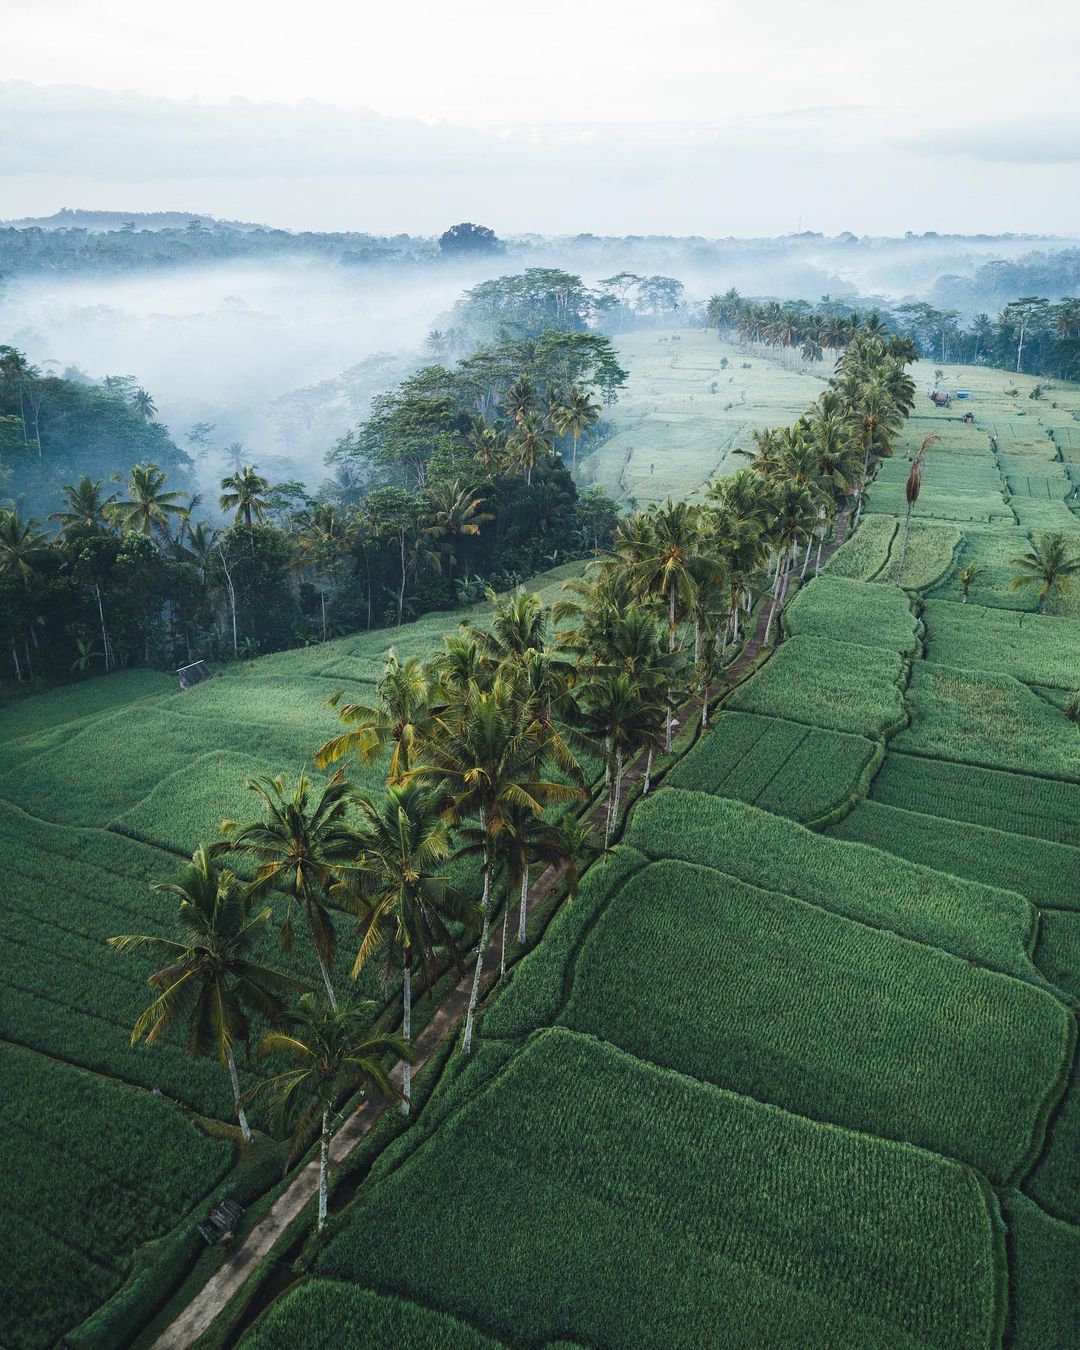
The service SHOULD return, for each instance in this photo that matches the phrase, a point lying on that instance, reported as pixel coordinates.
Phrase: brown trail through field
(228, 1279)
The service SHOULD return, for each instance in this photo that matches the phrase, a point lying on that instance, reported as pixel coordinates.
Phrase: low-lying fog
(283, 357)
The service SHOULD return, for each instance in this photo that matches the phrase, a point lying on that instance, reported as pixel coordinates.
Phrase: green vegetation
(1044, 1275)
(362, 1318)
(576, 1144)
(1037, 649)
(791, 1063)
(988, 719)
(1017, 803)
(1047, 874)
(101, 1167)
(836, 685)
(834, 607)
(784, 767)
(816, 1046)
(979, 922)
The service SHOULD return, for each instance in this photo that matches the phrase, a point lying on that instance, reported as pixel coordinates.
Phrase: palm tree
(535, 842)
(408, 904)
(399, 718)
(338, 1054)
(968, 576)
(23, 548)
(574, 416)
(488, 760)
(86, 506)
(209, 978)
(301, 844)
(245, 493)
(663, 569)
(488, 445)
(147, 507)
(143, 404)
(912, 490)
(320, 542)
(520, 398)
(1047, 564)
(529, 444)
(624, 717)
(796, 517)
(453, 513)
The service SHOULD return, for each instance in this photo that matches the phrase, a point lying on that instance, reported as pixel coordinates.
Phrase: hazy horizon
(696, 118)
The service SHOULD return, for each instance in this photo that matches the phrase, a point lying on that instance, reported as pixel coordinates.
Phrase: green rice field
(796, 1068)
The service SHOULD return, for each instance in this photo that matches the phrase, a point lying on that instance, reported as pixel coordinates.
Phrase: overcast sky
(615, 116)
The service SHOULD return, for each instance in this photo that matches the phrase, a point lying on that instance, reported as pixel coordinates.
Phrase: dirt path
(227, 1280)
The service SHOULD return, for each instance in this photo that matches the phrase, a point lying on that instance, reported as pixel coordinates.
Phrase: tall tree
(490, 764)
(1050, 565)
(337, 1054)
(399, 720)
(408, 900)
(301, 843)
(147, 508)
(209, 980)
(574, 416)
(245, 492)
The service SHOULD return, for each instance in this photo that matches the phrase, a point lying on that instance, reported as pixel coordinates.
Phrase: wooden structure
(193, 674)
(221, 1223)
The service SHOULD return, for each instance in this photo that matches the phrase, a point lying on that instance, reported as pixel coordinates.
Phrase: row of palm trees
(799, 330)
(491, 748)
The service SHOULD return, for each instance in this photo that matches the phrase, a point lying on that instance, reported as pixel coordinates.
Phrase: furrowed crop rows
(982, 923)
(793, 770)
(727, 1196)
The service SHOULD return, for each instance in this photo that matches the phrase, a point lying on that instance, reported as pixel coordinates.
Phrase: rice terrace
(540, 760)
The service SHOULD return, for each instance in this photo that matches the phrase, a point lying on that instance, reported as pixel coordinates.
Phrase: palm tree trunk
(618, 787)
(817, 560)
(406, 1029)
(522, 907)
(485, 909)
(903, 546)
(806, 558)
(106, 650)
(234, 1078)
(648, 772)
(502, 947)
(232, 597)
(324, 1168)
(401, 592)
(15, 658)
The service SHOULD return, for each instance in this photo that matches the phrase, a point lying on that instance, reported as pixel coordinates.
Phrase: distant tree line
(1031, 334)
